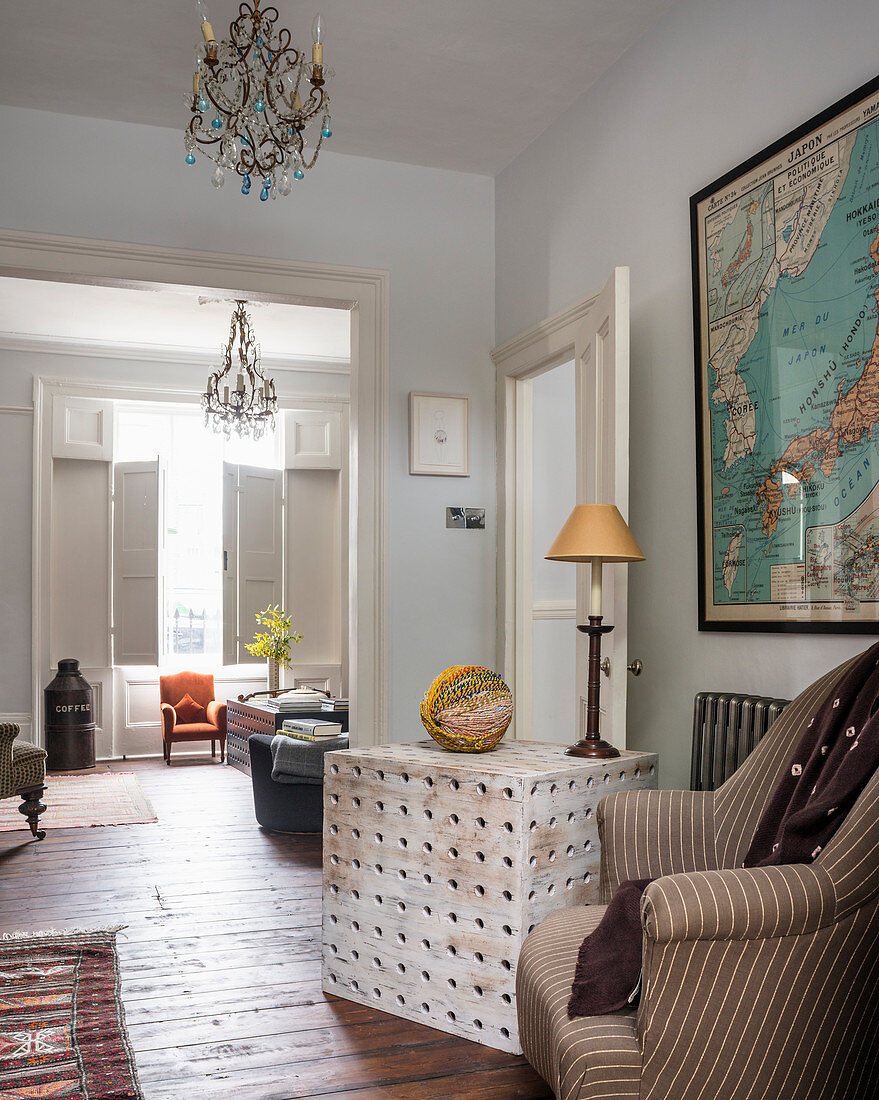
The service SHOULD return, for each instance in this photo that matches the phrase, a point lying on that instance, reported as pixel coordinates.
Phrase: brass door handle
(636, 667)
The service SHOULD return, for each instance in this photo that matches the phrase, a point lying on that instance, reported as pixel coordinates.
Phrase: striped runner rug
(62, 1025)
(106, 798)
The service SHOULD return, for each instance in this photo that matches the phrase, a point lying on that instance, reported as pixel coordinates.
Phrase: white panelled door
(601, 350)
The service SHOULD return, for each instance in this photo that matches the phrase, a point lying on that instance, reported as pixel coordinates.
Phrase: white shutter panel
(136, 543)
(313, 439)
(230, 563)
(82, 427)
(260, 549)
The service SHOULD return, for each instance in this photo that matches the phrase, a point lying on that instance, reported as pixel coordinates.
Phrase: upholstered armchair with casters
(23, 773)
(191, 713)
(757, 982)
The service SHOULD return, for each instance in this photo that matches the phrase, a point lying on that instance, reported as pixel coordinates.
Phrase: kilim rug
(107, 798)
(62, 1025)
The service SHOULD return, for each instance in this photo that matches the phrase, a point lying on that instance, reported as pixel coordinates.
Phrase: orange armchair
(191, 713)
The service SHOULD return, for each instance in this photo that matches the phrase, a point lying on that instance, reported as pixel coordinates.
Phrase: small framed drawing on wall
(439, 434)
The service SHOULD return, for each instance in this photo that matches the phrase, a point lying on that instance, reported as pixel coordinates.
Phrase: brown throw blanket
(835, 759)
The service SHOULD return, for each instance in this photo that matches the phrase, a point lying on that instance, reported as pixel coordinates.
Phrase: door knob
(636, 667)
(605, 666)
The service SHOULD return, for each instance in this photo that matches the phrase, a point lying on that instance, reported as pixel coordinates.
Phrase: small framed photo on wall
(439, 434)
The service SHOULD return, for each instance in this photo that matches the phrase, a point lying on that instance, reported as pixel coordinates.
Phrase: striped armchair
(23, 773)
(757, 982)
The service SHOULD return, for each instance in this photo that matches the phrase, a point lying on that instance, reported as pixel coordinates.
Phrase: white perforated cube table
(438, 864)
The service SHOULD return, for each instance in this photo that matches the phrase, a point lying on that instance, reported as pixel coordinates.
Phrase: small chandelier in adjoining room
(255, 99)
(249, 406)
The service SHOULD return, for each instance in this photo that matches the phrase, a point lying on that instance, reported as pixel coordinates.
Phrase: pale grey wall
(608, 183)
(433, 230)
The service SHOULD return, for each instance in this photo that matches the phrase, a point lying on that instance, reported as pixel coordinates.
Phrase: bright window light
(192, 555)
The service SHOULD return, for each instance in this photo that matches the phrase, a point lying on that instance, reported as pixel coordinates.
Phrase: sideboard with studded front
(438, 864)
(244, 719)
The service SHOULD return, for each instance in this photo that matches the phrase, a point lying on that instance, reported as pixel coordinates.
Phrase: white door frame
(365, 293)
(518, 361)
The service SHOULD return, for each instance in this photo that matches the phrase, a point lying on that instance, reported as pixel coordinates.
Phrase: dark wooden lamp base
(597, 750)
(592, 745)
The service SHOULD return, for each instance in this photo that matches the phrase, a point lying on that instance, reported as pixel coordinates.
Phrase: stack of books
(334, 704)
(297, 700)
(311, 729)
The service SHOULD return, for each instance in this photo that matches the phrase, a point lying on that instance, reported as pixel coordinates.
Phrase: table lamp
(594, 533)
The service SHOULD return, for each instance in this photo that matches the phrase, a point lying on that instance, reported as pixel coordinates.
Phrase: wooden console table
(244, 719)
(438, 864)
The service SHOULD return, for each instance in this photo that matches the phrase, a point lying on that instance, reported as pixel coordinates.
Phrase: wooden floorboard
(220, 955)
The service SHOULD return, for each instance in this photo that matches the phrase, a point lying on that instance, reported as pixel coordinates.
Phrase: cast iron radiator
(726, 728)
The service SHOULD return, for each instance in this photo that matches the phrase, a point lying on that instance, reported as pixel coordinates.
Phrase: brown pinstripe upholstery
(759, 983)
(571, 1055)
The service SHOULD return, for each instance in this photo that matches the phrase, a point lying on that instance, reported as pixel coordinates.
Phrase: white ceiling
(116, 317)
(461, 84)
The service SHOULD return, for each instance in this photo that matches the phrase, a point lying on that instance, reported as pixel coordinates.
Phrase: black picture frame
(708, 618)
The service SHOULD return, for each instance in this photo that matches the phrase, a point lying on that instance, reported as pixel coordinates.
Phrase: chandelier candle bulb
(225, 395)
(317, 35)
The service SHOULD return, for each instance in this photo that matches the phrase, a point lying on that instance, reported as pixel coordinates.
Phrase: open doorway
(589, 343)
(142, 574)
(363, 294)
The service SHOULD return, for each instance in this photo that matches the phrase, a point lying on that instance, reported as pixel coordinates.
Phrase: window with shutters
(164, 538)
(176, 542)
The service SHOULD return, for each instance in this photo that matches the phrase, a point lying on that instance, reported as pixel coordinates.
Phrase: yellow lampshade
(595, 532)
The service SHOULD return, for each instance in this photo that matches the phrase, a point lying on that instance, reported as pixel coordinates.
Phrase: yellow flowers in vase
(275, 642)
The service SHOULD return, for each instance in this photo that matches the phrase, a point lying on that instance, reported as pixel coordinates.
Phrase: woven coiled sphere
(467, 709)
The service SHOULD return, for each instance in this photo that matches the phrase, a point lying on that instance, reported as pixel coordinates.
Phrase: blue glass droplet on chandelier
(216, 124)
(264, 194)
(202, 104)
(245, 185)
(326, 132)
(259, 42)
(244, 140)
(190, 159)
(299, 174)
(259, 106)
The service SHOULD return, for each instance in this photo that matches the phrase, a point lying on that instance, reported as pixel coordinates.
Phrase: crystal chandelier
(254, 100)
(248, 408)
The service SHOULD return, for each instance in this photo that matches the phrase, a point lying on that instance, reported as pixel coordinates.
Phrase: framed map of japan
(786, 310)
